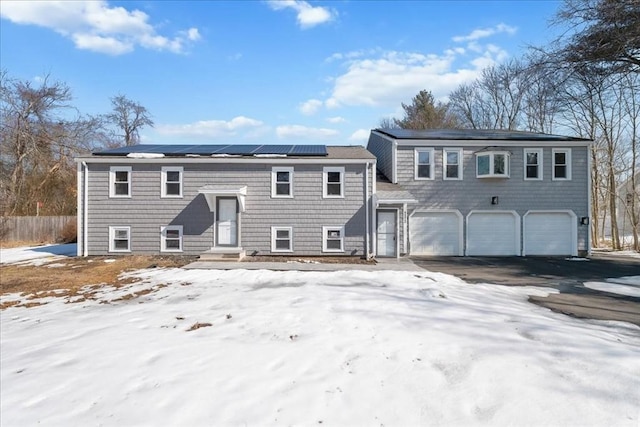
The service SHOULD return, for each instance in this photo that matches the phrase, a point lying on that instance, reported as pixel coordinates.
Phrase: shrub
(69, 233)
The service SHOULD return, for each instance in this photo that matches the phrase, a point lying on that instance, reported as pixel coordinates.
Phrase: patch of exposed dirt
(309, 259)
(198, 325)
(78, 276)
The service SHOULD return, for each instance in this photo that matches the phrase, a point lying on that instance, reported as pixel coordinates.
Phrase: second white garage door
(436, 233)
(493, 233)
(550, 233)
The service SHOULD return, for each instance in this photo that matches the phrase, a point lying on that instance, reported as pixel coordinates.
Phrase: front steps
(223, 254)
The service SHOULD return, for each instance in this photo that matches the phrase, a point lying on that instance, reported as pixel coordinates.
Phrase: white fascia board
(487, 142)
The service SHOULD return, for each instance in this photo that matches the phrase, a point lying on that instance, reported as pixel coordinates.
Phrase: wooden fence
(37, 228)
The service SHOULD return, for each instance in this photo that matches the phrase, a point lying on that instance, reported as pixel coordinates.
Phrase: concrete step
(223, 254)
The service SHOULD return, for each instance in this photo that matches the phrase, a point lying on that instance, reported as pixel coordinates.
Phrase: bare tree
(129, 117)
(387, 123)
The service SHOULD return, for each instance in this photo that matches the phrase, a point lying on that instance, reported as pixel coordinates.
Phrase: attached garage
(435, 233)
(550, 233)
(493, 233)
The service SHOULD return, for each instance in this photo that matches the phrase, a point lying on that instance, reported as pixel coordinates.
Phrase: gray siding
(145, 212)
(514, 193)
(382, 148)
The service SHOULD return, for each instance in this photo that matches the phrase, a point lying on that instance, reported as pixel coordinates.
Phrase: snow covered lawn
(301, 348)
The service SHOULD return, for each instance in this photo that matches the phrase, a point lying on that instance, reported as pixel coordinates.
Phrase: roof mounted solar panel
(273, 149)
(308, 150)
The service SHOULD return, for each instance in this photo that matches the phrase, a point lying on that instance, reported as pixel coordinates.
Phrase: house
(222, 201)
(480, 193)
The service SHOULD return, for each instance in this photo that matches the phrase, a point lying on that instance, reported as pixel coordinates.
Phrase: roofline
(431, 142)
(226, 160)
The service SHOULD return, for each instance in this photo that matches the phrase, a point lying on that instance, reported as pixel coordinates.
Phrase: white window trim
(112, 181)
(553, 163)
(444, 163)
(163, 238)
(417, 152)
(163, 189)
(274, 231)
(325, 175)
(274, 177)
(325, 235)
(112, 235)
(538, 151)
(492, 155)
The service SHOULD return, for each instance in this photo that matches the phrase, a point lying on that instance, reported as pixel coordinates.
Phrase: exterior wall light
(494, 200)
(584, 220)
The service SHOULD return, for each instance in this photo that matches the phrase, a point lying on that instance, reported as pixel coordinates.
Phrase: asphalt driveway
(567, 275)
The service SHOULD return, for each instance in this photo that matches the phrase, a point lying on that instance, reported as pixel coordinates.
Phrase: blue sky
(264, 71)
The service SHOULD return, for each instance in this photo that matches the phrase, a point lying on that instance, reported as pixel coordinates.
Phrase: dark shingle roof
(474, 134)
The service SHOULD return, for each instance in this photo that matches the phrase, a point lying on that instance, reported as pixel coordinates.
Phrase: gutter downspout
(85, 211)
(366, 210)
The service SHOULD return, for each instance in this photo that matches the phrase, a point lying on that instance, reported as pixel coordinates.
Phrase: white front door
(227, 222)
(386, 233)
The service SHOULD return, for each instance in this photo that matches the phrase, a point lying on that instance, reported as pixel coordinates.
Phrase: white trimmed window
(282, 182)
(333, 239)
(424, 163)
(171, 238)
(333, 182)
(492, 164)
(561, 164)
(532, 164)
(120, 181)
(281, 239)
(452, 163)
(119, 239)
(172, 181)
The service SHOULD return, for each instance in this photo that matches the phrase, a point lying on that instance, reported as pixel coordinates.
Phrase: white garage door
(493, 233)
(549, 233)
(435, 233)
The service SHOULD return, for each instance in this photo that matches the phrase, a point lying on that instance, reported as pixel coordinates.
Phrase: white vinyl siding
(561, 163)
(332, 239)
(281, 239)
(333, 182)
(282, 182)
(452, 164)
(424, 168)
(533, 164)
(120, 181)
(171, 238)
(171, 181)
(119, 239)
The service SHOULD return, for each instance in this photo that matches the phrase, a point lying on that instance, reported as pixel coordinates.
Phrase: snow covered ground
(346, 348)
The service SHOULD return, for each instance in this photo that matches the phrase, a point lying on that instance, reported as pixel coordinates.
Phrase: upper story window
(424, 163)
(452, 163)
(172, 181)
(120, 181)
(561, 163)
(533, 164)
(333, 182)
(282, 182)
(492, 164)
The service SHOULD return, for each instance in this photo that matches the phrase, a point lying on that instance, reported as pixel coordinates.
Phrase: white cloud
(360, 135)
(214, 128)
(96, 26)
(310, 107)
(481, 33)
(297, 131)
(337, 119)
(307, 16)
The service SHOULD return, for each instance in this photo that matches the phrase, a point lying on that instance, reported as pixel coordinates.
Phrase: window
(332, 239)
(561, 163)
(119, 239)
(281, 182)
(171, 238)
(171, 181)
(120, 181)
(492, 164)
(333, 182)
(424, 163)
(532, 164)
(281, 239)
(452, 163)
